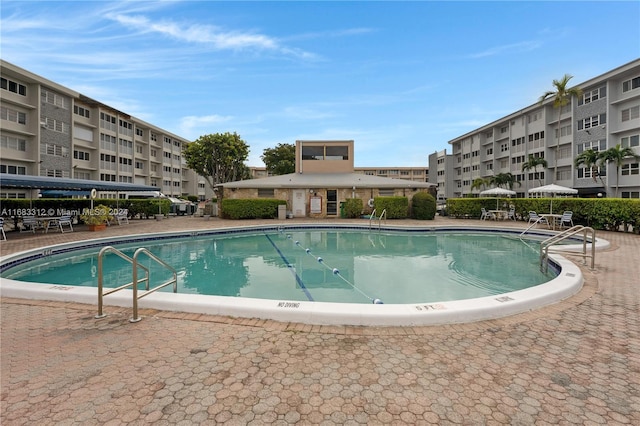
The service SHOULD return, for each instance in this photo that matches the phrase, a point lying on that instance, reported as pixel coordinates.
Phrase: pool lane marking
(291, 268)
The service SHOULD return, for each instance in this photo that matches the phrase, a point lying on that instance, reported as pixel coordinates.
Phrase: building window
(634, 83)
(55, 125)
(629, 169)
(628, 141)
(13, 115)
(326, 152)
(592, 95)
(55, 99)
(12, 86)
(83, 112)
(594, 121)
(106, 177)
(107, 121)
(630, 194)
(13, 143)
(108, 142)
(55, 150)
(81, 155)
(631, 113)
(266, 192)
(139, 165)
(13, 170)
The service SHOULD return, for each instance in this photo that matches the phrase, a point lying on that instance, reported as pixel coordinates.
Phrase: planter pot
(159, 216)
(99, 227)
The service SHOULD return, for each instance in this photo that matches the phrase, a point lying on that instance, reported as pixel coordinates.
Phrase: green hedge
(599, 213)
(255, 208)
(423, 206)
(12, 207)
(352, 207)
(396, 207)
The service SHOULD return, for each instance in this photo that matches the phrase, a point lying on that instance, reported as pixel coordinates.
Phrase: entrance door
(332, 202)
(299, 204)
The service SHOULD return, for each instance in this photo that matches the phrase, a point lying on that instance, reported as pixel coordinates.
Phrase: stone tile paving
(577, 362)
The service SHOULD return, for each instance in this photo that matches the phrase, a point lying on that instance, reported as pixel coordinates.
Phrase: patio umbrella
(553, 190)
(497, 192)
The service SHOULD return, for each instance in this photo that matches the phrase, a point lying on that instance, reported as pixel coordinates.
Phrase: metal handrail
(379, 219)
(556, 239)
(135, 265)
(152, 256)
(101, 294)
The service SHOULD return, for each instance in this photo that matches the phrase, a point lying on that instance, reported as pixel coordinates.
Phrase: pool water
(317, 265)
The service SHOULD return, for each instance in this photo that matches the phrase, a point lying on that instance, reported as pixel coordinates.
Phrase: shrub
(255, 208)
(423, 206)
(353, 207)
(396, 207)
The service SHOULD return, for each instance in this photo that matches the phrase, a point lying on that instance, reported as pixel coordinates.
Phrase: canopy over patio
(44, 182)
(553, 190)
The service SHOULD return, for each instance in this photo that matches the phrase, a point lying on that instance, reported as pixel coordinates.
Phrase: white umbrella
(497, 192)
(553, 190)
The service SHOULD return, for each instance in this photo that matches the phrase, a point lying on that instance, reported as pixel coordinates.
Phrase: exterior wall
(62, 133)
(504, 145)
(324, 165)
(365, 194)
(441, 166)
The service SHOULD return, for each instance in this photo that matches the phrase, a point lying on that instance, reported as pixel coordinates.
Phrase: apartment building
(441, 166)
(416, 174)
(606, 114)
(53, 131)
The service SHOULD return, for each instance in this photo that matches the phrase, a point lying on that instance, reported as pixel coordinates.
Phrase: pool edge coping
(566, 284)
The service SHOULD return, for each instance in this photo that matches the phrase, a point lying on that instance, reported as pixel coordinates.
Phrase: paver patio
(575, 362)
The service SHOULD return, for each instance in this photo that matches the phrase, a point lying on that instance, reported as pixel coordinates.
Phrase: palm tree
(533, 163)
(617, 155)
(590, 159)
(561, 97)
(480, 183)
(506, 179)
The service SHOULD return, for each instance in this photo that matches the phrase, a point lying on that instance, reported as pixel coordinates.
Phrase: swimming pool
(323, 274)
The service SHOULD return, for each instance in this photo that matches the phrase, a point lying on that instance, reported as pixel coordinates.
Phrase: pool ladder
(134, 283)
(373, 217)
(556, 239)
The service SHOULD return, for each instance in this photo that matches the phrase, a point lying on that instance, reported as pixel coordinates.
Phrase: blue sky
(399, 78)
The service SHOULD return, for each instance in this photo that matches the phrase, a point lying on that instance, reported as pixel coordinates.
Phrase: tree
(533, 163)
(505, 179)
(589, 159)
(218, 158)
(480, 183)
(280, 160)
(617, 154)
(561, 97)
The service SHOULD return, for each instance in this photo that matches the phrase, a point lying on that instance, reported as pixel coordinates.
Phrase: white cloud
(525, 46)
(191, 124)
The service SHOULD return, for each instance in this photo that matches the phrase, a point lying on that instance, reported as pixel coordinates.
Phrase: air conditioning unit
(43, 124)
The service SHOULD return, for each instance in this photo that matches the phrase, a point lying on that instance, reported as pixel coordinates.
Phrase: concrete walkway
(576, 362)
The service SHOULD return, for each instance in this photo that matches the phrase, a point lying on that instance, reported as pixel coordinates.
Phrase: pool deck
(575, 362)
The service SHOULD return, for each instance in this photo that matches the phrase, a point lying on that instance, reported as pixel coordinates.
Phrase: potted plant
(96, 219)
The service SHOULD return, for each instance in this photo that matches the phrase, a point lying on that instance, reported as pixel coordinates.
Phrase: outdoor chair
(4, 236)
(486, 215)
(511, 215)
(535, 218)
(29, 224)
(65, 220)
(566, 220)
(122, 217)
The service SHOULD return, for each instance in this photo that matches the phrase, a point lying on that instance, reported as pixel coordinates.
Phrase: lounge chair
(511, 215)
(4, 236)
(122, 217)
(535, 218)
